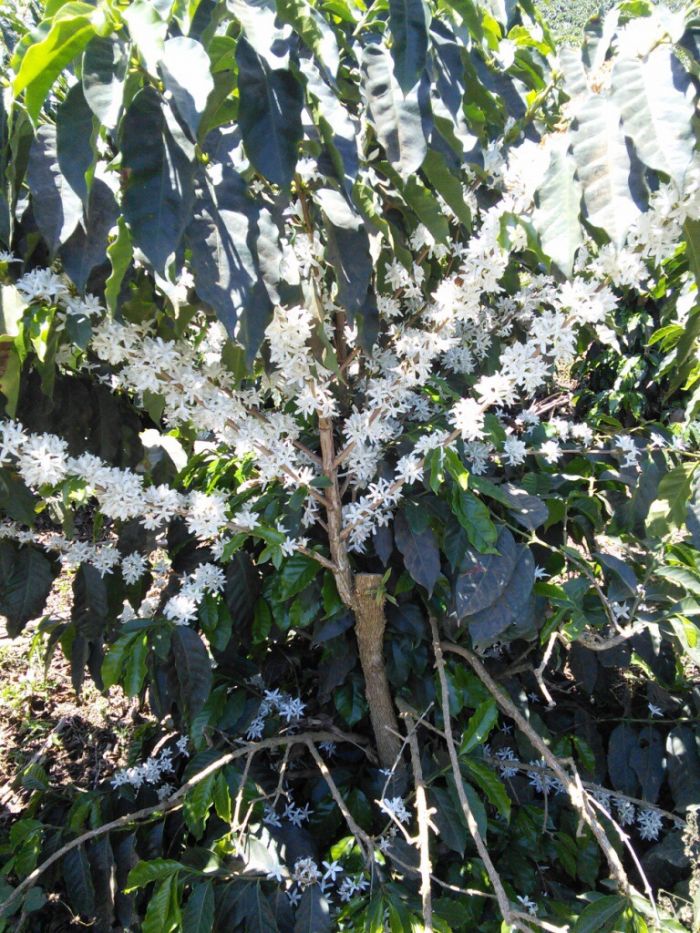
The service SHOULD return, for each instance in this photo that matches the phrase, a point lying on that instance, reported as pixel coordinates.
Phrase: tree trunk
(370, 622)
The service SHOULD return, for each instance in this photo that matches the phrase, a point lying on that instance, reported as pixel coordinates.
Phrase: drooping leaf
(257, 911)
(485, 777)
(683, 762)
(557, 217)
(311, 25)
(395, 116)
(408, 23)
(222, 237)
(266, 34)
(90, 603)
(420, 552)
(480, 724)
(654, 96)
(313, 912)
(105, 64)
(86, 248)
(158, 196)
(527, 510)
(74, 124)
(602, 915)
(647, 761)
(192, 668)
(120, 253)
(57, 207)
(69, 31)
(187, 75)
(621, 745)
(347, 249)
(483, 577)
(611, 187)
(269, 115)
(160, 916)
(198, 915)
(145, 872)
(512, 607)
(78, 880)
(26, 577)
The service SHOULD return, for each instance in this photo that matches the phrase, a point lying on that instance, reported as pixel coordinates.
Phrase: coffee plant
(350, 371)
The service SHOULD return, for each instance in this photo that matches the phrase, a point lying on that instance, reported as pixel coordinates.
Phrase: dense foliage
(350, 369)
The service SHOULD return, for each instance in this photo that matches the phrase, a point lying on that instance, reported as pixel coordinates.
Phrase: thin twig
(425, 824)
(503, 903)
(578, 798)
(363, 839)
(174, 802)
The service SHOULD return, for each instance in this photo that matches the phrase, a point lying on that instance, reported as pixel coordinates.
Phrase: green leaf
(135, 668)
(408, 23)
(610, 189)
(483, 577)
(192, 668)
(446, 184)
(197, 805)
(120, 253)
(16, 499)
(691, 233)
(557, 217)
(221, 237)
(489, 782)
(86, 250)
(474, 517)
(158, 196)
(144, 873)
(420, 552)
(657, 110)
(69, 32)
(57, 208)
(480, 724)
(396, 118)
(78, 880)
(269, 115)
(26, 578)
(260, 917)
(113, 663)
(295, 575)
(148, 30)
(313, 913)
(90, 603)
(74, 126)
(187, 75)
(160, 916)
(602, 915)
(105, 64)
(315, 31)
(198, 915)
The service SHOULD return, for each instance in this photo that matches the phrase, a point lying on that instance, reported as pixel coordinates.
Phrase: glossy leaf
(159, 193)
(192, 668)
(68, 33)
(198, 915)
(611, 189)
(57, 207)
(396, 118)
(480, 724)
(105, 65)
(557, 218)
(187, 76)
(26, 577)
(408, 22)
(74, 127)
(420, 552)
(654, 96)
(313, 912)
(601, 915)
(269, 115)
(483, 577)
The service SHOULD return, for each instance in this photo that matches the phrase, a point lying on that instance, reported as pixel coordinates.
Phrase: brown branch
(503, 903)
(578, 798)
(424, 824)
(174, 802)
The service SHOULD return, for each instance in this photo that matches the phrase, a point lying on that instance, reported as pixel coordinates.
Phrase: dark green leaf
(622, 743)
(78, 881)
(396, 118)
(187, 75)
(158, 196)
(513, 606)
(474, 517)
(198, 915)
(602, 915)
(87, 247)
(483, 577)
(26, 577)
(313, 913)
(57, 208)
(420, 552)
(157, 869)
(74, 124)
(105, 65)
(269, 115)
(192, 668)
(409, 30)
(258, 913)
